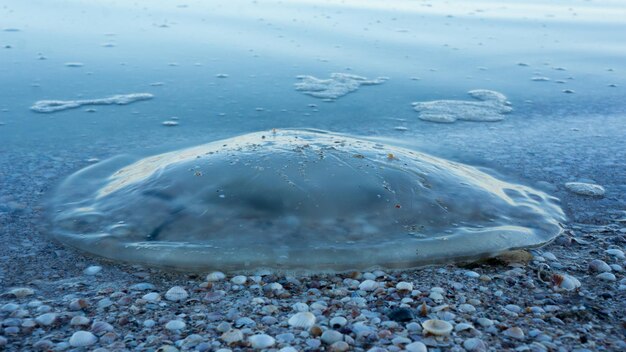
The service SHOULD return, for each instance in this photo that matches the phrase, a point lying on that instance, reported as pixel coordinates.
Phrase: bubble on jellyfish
(296, 200)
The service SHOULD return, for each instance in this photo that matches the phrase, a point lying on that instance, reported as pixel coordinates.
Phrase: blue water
(428, 50)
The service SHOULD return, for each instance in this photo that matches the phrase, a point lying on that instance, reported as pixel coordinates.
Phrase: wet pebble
(176, 293)
(261, 341)
(82, 339)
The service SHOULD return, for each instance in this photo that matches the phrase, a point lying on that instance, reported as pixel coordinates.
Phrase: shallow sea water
(223, 69)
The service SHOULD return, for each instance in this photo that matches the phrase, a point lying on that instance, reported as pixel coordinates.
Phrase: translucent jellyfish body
(296, 200)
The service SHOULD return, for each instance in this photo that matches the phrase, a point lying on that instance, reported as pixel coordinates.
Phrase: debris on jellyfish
(47, 106)
(296, 200)
(338, 85)
(490, 107)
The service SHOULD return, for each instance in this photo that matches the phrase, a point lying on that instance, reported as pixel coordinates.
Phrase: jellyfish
(296, 200)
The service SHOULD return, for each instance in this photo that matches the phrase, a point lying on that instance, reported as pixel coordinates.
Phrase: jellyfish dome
(296, 200)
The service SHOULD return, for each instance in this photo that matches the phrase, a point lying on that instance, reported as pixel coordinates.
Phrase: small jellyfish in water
(296, 200)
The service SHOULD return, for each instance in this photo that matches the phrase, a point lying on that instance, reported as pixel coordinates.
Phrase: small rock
(46, 319)
(261, 341)
(474, 344)
(368, 285)
(79, 320)
(151, 297)
(232, 336)
(92, 270)
(339, 346)
(239, 280)
(176, 294)
(599, 266)
(331, 336)
(82, 339)
(404, 286)
(338, 322)
(416, 347)
(215, 276)
(20, 292)
(175, 325)
(606, 277)
(515, 333)
(616, 253)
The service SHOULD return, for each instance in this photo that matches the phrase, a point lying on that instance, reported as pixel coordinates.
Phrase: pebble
(79, 320)
(474, 344)
(92, 270)
(215, 276)
(300, 307)
(616, 253)
(82, 339)
(261, 341)
(46, 319)
(404, 286)
(239, 280)
(331, 336)
(232, 336)
(466, 308)
(368, 285)
(606, 277)
(416, 347)
(514, 332)
(338, 322)
(472, 274)
(21, 292)
(599, 266)
(151, 297)
(176, 294)
(175, 325)
(339, 346)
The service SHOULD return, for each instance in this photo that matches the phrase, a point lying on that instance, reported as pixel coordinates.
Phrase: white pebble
(215, 276)
(175, 325)
(82, 339)
(616, 253)
(151, 297)
(368, 285)
(599, 266)
(46, 319)
(606, 277)
(261, 341)
(331, 336)
(416, 347)
(404, 286)
(239, 280)
(176, 294)
(515, 333)
(92, 270)
(300, 307)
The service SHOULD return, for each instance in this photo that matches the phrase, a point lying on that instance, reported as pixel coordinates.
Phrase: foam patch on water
(47, 106)
(296, 200)
(489, 107)
(338, 85)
